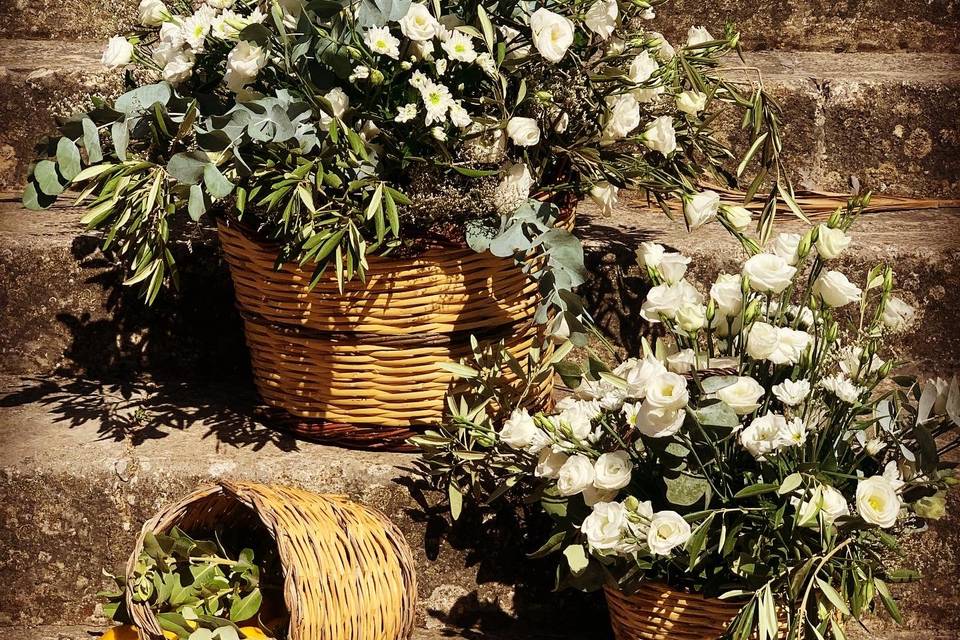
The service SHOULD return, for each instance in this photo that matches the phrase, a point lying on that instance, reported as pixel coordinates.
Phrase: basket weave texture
(362, 367)
(656, 612)
(348, 572)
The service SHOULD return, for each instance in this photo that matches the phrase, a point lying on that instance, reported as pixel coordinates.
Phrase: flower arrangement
(344, 128)
(760, 451)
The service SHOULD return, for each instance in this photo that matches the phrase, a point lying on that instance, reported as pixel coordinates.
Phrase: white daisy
(381, 41)
(459, 46)
(406, 113)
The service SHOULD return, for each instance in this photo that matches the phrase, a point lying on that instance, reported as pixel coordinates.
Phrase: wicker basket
(362, 367)
(656, 612)
(348, 572)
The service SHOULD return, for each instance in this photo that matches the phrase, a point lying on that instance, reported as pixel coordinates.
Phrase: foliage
(761, 451)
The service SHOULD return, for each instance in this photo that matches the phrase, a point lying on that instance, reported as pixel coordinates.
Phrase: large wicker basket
(656, 612)
(348, 573)
(362, 367)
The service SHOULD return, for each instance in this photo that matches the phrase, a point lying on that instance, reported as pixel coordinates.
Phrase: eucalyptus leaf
(68, 158)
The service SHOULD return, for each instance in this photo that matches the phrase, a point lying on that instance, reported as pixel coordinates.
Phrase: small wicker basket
(657, 612)
(362, 367)
(348, 573)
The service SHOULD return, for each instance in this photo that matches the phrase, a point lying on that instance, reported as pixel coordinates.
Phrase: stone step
(884, 117)
(85, 463)
(825, 25)
(63, 308)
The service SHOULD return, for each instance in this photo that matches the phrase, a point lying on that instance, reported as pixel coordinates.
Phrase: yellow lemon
(253, 633)
(169, 635)
(123, 632)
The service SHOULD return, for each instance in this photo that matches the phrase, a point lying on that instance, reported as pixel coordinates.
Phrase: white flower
(604, 526)
(339, 102)
(793, 433)
(661, 136)
(727, 295)
(762, 341)
(665, 50)
(552, 34)
(785, 245)
(459, 116)
(118, 52)
(790, 346)
(418, 24)
(514, 39)
(243, 64)
(197, 26)
(605, 195)
(649, 254)
(220, 4)
(647, 94)
(459, 46)
(577, 417)
(549, 463)
(623, 116)
(762, 437)
(437, 100)
(701, 208)
(438, 134)
(601, 17)
(612, 471)
(878, 502)
(673, 266)
(657, 422)
(638, 373)
(666, 299)
(841, 386)
(768, 273)
(291, 10)
(178, 67)
(486, 62)
(514, 188)
(229, 24)
(691, 102)
(742, 396)
(642, 67)
(897, 314)
(521, 432)
(667, 530)
(738, 217)
(697, 36)
(891, 473)
(792, 392)
(692, 317)
(152, 12)
(831, 242)
(832, 504)
(835, 290)
(524, 132)
(667, 391)
(406, 113)
(575, 475)
(381, 41)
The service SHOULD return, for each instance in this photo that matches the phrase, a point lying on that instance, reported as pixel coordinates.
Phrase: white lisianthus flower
(604, 526)
(832, 504)
(549, 463)
(665, 50)
(673, 266)
(459, 46)
(520, 431)
(793, 433)
(878, 502)
(727, 295)
(623, 116)
(552, 34)
(638, 373)
(152, 13)
(605, 195)
(667, 391)
(701, 208)
(524, 132)
(379, 40)
(513, 190)
(891, 473)
(229, 24)
(575, 475)
(406, 113)
(339, 103)
(792, 392)
(785, 245)
(612, 471)
(667, 531)
(178, 67)
(691, 102)
(692, 317)
(437, 101)
(291, 10)
(642, 67)
(897, 314)
(118, 53)
(601, 17)
(762, 340)
(516, 50)
(666, 299)
(791, 344)
(738, 217)
(650, 254)
(768, 273)
(243, 64)
(835, 290)
(841, 387)
(661, 136)
(743, 396)
(697, 36)
(486, 62)
(831, 242)
(658, 422)
(762, 437)
(459, 116)
(418, 24)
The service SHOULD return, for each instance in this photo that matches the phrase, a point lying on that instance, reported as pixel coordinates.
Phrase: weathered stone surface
(823, 25)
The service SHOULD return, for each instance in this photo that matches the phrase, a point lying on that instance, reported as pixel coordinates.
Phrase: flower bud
(711, 311)
(354, 53)
(745, 284)
(832, 332)
(888, 280)
(803, 249)
(835, 218)
(543, 97)
(885, 369)
(376, 77)
(931, 507)
(752, 312)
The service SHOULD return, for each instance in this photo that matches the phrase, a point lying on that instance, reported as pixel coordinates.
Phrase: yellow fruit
(169, 635)
(253, 633)
(123, 632)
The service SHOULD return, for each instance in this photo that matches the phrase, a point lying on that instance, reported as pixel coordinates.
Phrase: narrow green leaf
(833, 596)
(456, 501)
(246, 607)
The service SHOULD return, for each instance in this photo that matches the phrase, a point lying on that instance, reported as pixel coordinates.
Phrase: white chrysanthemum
(841, 387)
(486, 62)
(197, 26)
(406, 113)
(381, 41)
(793, 433)
(762, 437)
(437, 100)
(459, 46)
(459, 116)
(791, 393)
